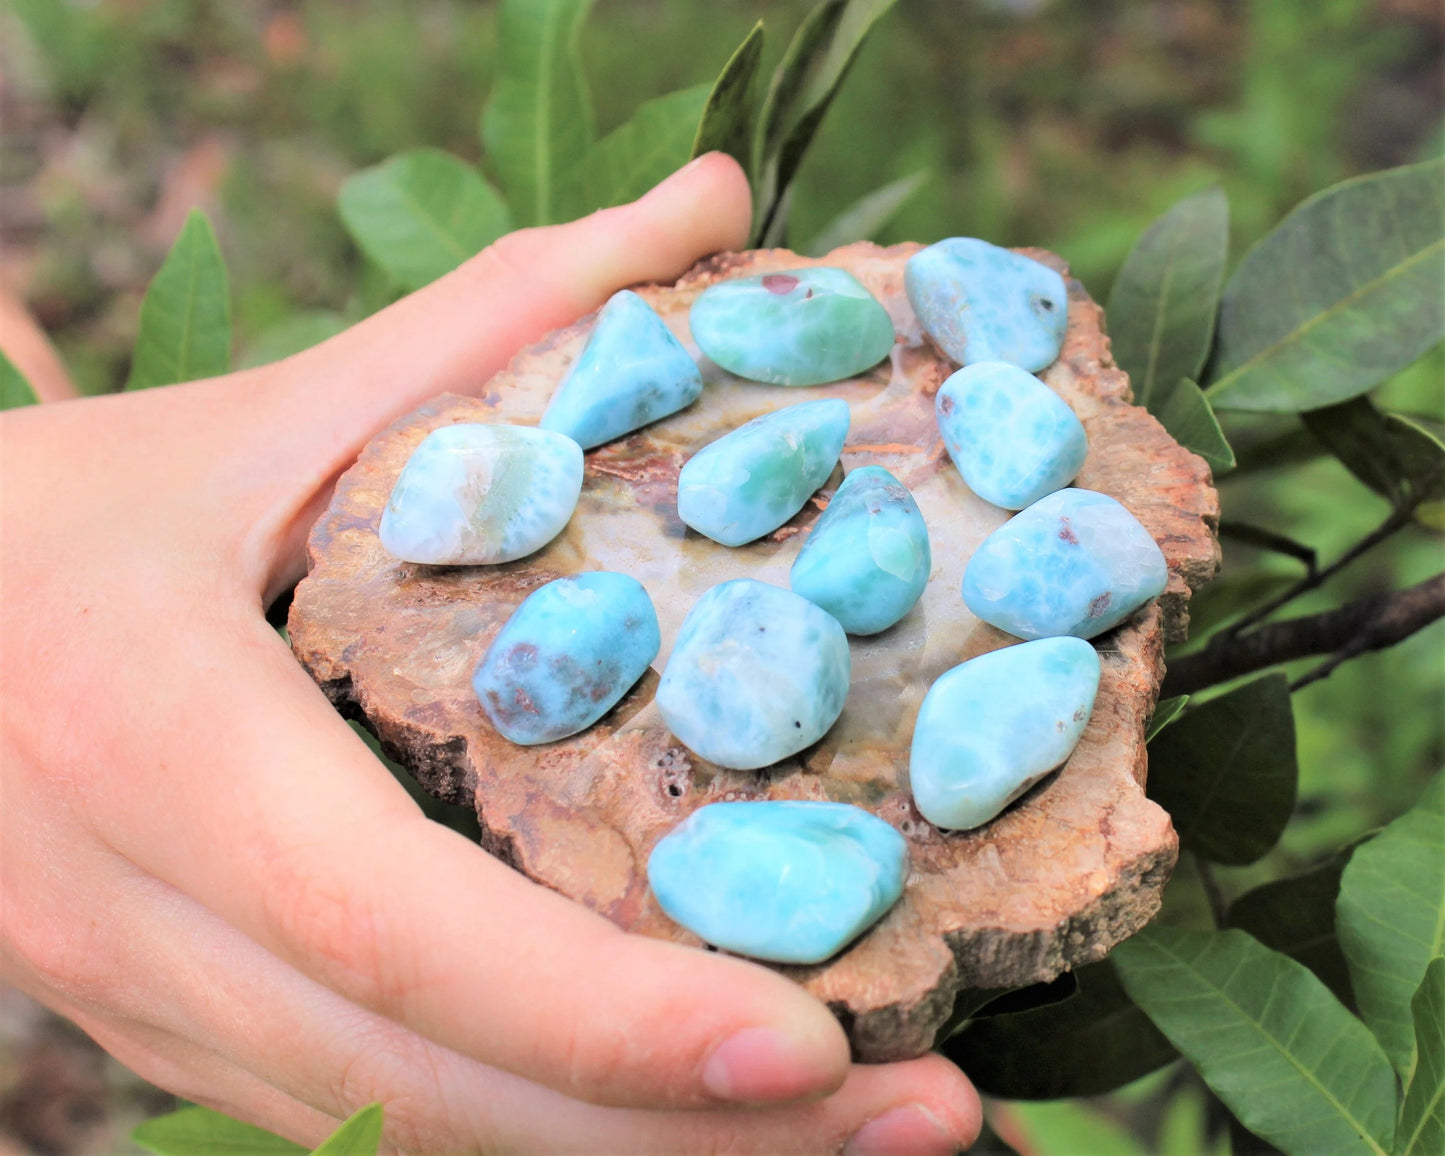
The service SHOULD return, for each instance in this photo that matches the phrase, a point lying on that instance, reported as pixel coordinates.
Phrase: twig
(1218, 909)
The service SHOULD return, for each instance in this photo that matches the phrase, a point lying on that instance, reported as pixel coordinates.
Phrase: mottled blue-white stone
(867, 560)
(1012, 438)
(472, 494)
(757, 674)
(992, 727)
(790, 882)
(802, 327)
(749, 482)
(983, 303)
(1075, 562)
(631, 372)
(566, 656)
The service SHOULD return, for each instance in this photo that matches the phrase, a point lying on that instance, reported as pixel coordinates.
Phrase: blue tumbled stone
(1012, 438)
(789, 882)
(757, 674)
(631, 372)
(992, 727)
(867, 559)
(983, 303)
(475, 493)
(749, 482)
(569, 652)
(1075, 562)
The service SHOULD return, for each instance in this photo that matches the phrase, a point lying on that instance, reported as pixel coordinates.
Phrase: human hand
(206, 869)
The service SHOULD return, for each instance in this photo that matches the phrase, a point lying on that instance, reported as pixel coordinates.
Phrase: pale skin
(207, 870)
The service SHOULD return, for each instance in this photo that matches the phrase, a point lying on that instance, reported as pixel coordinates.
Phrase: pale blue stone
(567, 655)
(867, 559)
(749, 482)
(992, 727)
(472, 494)
(983, 303)
(797, 327)
(1075, 562)
(789, 882)
(631, 372)
(1012, 438)
(757, 674)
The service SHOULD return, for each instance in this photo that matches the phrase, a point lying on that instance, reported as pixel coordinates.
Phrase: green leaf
(1161, 309)
(1186, 413)
(863, 219)
(1421, 1130)
(1397, 458)
(420, 214)
(726, 125)
(1066, 1129)
(1226, 771)
(538, 121)
(1391, 918)
(1166, 710)
(15, 391)
(631, 159)
(360, 1135)
(290, 336)
(1296, 1068)
(1345, 291)
(1089, 1044)
(185, 319)
(197, 1131)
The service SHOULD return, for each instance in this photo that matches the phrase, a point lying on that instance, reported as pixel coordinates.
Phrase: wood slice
(1054, 882)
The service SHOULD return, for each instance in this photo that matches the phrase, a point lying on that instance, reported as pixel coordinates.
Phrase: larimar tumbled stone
(749, 482)
(992, 727)
(632, 371)
(785, 881)
(757, 674)
(867, 559)
(1075, 562)
(1012, 438)
(983, 303)
(802, 327)
(569, 652)
(476, 493)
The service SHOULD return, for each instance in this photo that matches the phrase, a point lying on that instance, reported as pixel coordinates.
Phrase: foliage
(196, 1131)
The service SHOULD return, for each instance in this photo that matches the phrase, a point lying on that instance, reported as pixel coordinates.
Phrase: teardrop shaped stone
(477, 493)
(568, 653)
(983, 303)
(786, 881)
(992, 727)
(632, 371)
(749, 482)
(1012, 437)
(867, 559)
(802, 327)
(1075, 562)
(757, 674)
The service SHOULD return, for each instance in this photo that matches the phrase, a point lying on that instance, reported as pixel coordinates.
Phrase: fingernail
(680, 174)
(763, 1065)
(911, 1130)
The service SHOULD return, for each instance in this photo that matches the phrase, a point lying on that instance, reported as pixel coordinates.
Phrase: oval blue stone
(790, 882)
(1012, 437)
(1075, 562)
(569, 652)
(992, 727)
(867, 559)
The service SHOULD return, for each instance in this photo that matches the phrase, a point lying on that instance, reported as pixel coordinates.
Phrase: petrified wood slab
(1057, 880)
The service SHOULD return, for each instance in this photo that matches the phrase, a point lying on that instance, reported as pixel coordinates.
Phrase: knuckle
(510, 257)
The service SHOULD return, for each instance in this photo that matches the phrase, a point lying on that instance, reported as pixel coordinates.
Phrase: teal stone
(749, 482)
(867, 560)
(757, 674)
(566, 656)
(631, 372)
(473, 494)
(983, 303)
(802, 327)
(1075, 562)
(788, 882)
(1012, 438)
(992, 727)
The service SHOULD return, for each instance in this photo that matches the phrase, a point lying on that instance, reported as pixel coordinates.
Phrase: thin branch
(1372, 623)
(1218, 909)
